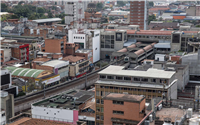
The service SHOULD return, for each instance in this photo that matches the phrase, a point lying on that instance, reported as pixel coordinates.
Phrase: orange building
(123, 109)
(56, 45)
(180, 16)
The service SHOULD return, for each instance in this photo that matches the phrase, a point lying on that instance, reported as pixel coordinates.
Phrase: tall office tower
(75, 11)
(7, 103)
(139, 13)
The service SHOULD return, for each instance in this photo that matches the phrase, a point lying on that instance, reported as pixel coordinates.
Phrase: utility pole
(44, 90)
(25, 86)
(86, 80)
(198, 89)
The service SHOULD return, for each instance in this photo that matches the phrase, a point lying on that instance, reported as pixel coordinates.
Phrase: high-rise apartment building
(139, 13)
(75, 10)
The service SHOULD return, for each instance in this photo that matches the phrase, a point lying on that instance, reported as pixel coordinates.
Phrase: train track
(24, 102)
(55, 89)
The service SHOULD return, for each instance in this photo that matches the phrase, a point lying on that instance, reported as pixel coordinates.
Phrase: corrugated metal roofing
(47, 20)
(26, 72)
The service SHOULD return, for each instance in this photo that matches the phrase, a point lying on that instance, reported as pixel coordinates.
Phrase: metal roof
(56, 63)
(47, 20)
(26, 72)
(162, 45)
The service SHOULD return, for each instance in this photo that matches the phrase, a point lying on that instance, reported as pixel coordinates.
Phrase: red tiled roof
(150, 32)
(41, 59)
(73, 58)
(157, 9)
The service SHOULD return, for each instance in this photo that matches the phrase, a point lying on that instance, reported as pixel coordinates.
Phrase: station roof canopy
(47, 20)
(25, 72)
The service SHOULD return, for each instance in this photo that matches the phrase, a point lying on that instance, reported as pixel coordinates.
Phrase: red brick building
(56, 45)
(139, 14)
(123, 109)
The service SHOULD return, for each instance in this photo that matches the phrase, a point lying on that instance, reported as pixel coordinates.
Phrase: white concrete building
(87, 39)
(5, 54)
(75, 10)
(152, 79)
(3, 117)
(63, 107)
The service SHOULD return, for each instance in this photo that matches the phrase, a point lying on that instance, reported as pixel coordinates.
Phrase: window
(101, 109)
(118, 36)
(102, 93)
(144, 79)
(102, 101)
(102, 76)
(97, 93)
(112, 36)
(163, 81)
(118, 112)
(127, 78)
(54, 113)
(119, 77)
(116, 123)
(106, 87)
(101, 117)
(101, 86)
(98, 109)
(97, 100)
(97, 116)
(106, 93)
(153, 80)
(136, 79)
(118, 102)
(110, 77)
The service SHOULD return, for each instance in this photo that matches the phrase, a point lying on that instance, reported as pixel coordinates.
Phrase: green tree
(111, 18)
(63, 21)
(99, 6)
(151, 18)
(50, 15)
(21, 2)
(4, 7)
(40, 10)
(14, 16)
(151, 4)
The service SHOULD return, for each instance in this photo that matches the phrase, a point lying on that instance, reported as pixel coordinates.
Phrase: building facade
(87, 39)
(112, 41)
(123, 109)
(75, 11)
(139, 13)
(78, 66)
(63, 107)
(3, 117)
(58, 67)
(6, 82)
(56, 45)
(150, 83)
(5, 55)
(7, 103)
